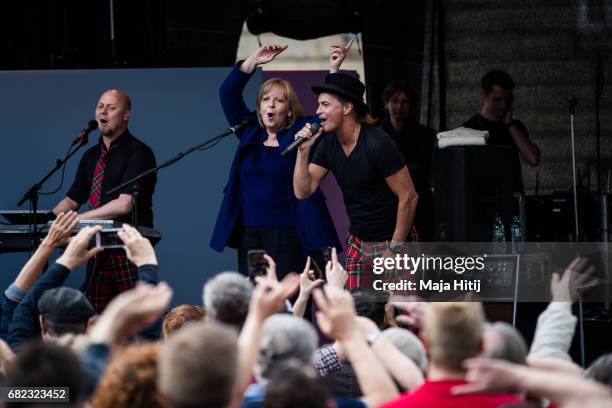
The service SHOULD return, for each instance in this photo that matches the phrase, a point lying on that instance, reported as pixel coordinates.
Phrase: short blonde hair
(453, 332)
(294, 104)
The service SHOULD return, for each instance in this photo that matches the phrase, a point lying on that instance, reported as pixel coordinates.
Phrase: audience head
(64, 310)
(227, 297)
(601, 370)
(504, 342)
(286, 342)
(452, 333)
(371, 304)
(45, 364)
(180, 315)
(130, 380)
(293, 388)
(278, 105)
(198, 366)
(408, 344)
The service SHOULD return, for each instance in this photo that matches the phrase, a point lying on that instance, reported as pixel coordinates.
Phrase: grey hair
(512, 346)
(226, 298)
(409, 345)
(601, 370)
(286, 342)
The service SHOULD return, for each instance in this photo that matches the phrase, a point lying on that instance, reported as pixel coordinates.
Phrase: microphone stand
(32, 193)
(572, 112)
(202, 146)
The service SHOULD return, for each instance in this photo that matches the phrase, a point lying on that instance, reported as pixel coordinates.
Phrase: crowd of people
(248, 345)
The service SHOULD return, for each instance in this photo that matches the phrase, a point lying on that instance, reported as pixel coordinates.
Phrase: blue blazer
(312, 220)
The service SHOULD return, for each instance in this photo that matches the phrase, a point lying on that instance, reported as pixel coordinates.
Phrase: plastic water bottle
(518, 236)
(499, 236)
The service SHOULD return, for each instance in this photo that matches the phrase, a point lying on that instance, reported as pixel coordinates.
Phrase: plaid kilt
(360, 255)
(108, 274)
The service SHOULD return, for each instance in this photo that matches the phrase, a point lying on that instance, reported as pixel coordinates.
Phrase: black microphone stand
(33, 192)
(202, 146)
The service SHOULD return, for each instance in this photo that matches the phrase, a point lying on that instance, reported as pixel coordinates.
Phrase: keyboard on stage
(18, 238)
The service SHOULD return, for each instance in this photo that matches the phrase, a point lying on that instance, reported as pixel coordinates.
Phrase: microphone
(91, 126)
(314, 128)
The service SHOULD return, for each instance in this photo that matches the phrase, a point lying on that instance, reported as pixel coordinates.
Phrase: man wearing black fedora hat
(379, 196)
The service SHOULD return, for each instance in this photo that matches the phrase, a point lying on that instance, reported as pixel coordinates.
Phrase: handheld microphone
(314, 128)
(91, 126)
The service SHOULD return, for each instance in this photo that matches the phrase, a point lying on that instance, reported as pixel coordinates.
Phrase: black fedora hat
(347, 87)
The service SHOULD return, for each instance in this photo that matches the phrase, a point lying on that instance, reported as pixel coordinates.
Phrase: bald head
(113, 113)
(120, 96)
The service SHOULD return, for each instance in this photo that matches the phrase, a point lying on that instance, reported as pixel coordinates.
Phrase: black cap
(345, 86)
(65, 306)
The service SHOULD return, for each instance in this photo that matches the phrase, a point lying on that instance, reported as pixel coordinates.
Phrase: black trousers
(281, 243)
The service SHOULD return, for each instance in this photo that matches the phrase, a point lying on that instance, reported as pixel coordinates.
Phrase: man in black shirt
(496, 93)
(116, 158)
(378, 192)
(415, 143)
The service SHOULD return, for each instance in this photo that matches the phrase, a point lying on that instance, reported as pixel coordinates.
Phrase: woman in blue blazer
(259, 208)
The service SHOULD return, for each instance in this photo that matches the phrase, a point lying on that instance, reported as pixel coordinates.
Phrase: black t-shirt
(415, 143)
(127, 158)
(499, 135)
(370, 203)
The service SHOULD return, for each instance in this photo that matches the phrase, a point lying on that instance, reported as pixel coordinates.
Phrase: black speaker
(471, 185)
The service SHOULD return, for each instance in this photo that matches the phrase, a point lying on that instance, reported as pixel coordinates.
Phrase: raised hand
(308, 281)
(130, 312)
(61, 229)
(578, 277)
(76, 252)
(336, 315)
(137, 248)
(413, 310)
(335, 273)
(337, 55)
(262, 55)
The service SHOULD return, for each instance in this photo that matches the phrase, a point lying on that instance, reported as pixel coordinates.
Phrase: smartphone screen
(108, 239)
(318, 261)
(327, 254)
(314, 266)
(257, 263)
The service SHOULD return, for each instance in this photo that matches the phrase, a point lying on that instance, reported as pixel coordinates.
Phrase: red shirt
(437, 394)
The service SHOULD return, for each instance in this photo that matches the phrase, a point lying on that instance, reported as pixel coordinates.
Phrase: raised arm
(230, 93)
(337, 55)
(336, 317)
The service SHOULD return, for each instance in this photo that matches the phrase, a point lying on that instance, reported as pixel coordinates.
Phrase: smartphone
(327, 255)
(108, 239)
(314, 266)
(257, 263)
(319, 257)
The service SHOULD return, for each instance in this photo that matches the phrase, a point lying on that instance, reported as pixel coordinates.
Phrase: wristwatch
(395, 247)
